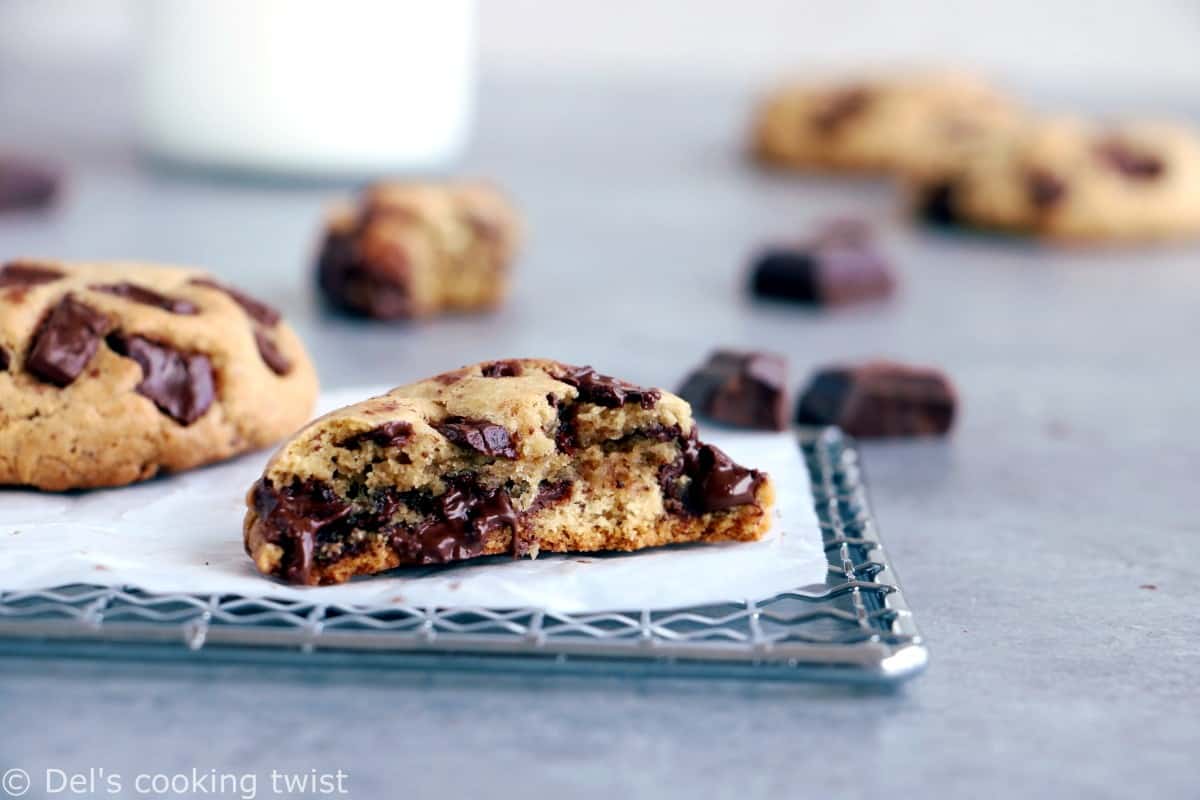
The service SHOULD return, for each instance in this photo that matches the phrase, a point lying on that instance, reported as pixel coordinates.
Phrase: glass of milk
(336, 88)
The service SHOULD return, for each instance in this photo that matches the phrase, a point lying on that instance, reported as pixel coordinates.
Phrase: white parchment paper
(184, 534)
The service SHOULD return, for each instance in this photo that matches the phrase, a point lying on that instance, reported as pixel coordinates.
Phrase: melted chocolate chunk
(257, 310)
(606, 391)
(501, 369)
(24, 273)
(879, 400)
(1045, 189)
(376, 288)
(389, 434)
(480, 435)
(1125, 159)
(549, 494)
(748, 390)
(4, 360)
(149, 297)
(713, 481)
(462, 517)
(180, 384)
(270, 353)
(293, 517)
(26, 186)
(566, 436)
(840, 266)
(840, 108)
(66, 341)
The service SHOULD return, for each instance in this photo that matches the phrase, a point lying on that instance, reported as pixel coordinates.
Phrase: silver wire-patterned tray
(856, 627)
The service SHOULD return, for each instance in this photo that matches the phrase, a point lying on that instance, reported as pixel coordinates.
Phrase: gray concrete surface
(1025, 542)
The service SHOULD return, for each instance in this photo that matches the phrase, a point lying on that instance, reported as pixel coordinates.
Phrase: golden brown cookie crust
(545, 457)
(98, 429)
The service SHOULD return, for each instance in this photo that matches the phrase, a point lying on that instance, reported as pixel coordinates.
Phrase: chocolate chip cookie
(1067, 179)
(112, 373)
(520, 456)
(901, 123)
(415, 250)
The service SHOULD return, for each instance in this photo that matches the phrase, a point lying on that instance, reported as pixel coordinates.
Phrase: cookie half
(112, 373)
(521, 456)
(414, 250)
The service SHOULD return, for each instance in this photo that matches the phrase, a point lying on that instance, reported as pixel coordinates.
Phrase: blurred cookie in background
(910, 122)
(411, 250)
(1073, 180)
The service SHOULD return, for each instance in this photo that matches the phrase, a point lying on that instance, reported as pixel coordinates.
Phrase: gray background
(1022, 541)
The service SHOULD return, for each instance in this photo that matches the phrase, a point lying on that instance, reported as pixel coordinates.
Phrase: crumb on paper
(1151, 586)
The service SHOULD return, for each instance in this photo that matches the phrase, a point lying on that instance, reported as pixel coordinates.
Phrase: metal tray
(856, 627)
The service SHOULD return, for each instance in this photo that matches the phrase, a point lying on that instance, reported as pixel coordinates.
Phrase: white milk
(308, 87)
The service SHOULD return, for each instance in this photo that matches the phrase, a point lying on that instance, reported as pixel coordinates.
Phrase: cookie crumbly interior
(519, 456)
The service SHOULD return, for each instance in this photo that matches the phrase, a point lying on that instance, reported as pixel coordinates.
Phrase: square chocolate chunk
(743, 389)
(839, 266)
(879, 399)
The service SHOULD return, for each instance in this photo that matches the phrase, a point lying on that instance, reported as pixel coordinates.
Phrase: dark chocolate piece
(501, 369)
(1046, 190)
(293, 517)
(4, 359)
(257, 310)
(389, 434)
(748, 390)
(480, 435)
(879, 400)
(1125, 159)
(840, 108)
(66, 341)
(938, 204)
(270, 353)
(840, 266)
(26, 186)
(149, 297)
(549, 494)
(352, 282)
(713, 481)
(25, 273)
(603, 390)
(463, 516)
(180, 384)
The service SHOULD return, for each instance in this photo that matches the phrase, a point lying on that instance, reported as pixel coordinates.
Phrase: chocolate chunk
(566, 436)
(938, 204)
(840, 108)
(26, 186)
(1125, 159)
(4, 360)
(375, 287)
(149, 297)
(66, 341)
(463, 516)
(1045, 189)
(257, 310)
(270, 353)
(549, 494)
(293, 517)
(840, 266)
(25, 273)
(180, 384)
(480, 435)
(880, 399)
(389, 434)
(743, 389)
(606, 391)
(501, 369)
(713, 481)
(718, 483)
